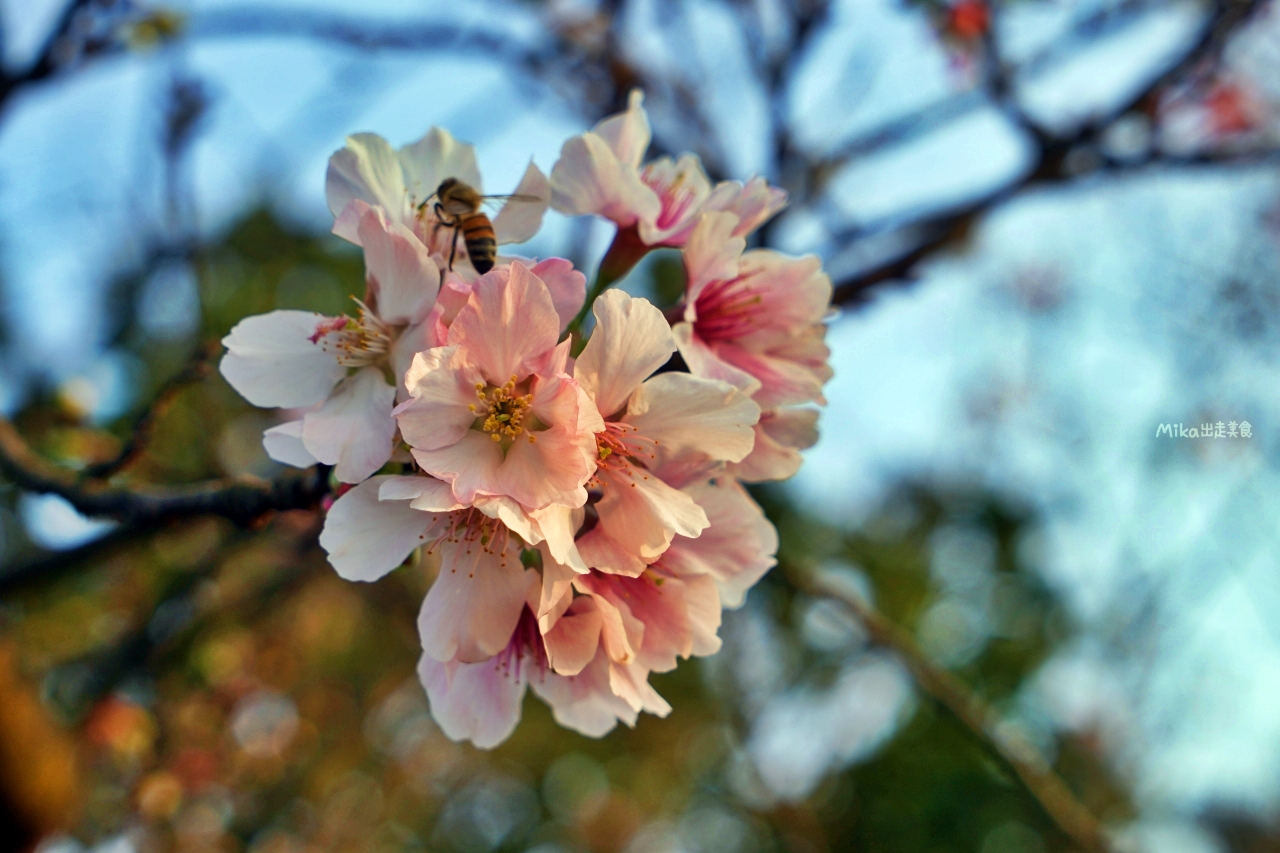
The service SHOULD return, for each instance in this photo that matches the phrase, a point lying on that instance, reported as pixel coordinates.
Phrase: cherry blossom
(493, 412)
(586, 518)
(738, 546)
(339, 366)
(480, 702)
(369, 172)
(600, 172)
(482, 643)
(648, 419)
(780, 436)
(473, 606)
(754, 319)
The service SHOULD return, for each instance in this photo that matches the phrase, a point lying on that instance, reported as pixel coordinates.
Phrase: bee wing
(521, 216)
(494, 199)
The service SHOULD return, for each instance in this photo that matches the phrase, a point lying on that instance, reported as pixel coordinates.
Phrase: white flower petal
(353, 429)
(519, 219)
(284, 444)
(368, 170)
(627, 134)
(589, 179)
(271, 360)
(423, 493)
(367, 538)
(399, 268)
(434, 157)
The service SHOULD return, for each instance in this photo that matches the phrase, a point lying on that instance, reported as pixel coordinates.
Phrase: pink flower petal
(780, 436)
(631, 684)
(585, 702)
(705, 362)
(347, 223)
(572, 642)
(402, 277)
(479, 702)
(442, 388)
(631, 340)
(558, 524)
(508, 323)
(682, 186)
(687, 414)
(551, 470)
(735, 550)
(680, 615)
(556, 594)
(639, 515)
(753, 204)
(791, 368)
(470, 465)
(567, 285)
(712, 254)
(475, 602)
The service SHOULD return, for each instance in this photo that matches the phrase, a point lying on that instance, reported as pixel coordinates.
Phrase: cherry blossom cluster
(582, 496)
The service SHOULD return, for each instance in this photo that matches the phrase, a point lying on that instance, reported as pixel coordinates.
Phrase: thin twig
(197, 367)
(1025, 762)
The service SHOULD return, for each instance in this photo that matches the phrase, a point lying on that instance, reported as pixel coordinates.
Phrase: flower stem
(624, 253)
(1019, 755)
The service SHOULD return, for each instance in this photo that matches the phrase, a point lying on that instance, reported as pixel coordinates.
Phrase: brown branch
(948, 228)
(1014, 751)
(951, 228)
(241, 501)
(197, 368)
(54, 53)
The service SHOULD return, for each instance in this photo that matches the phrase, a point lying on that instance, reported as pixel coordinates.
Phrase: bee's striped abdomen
(481, 242)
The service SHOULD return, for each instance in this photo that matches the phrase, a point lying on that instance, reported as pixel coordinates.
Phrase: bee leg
(453, 250)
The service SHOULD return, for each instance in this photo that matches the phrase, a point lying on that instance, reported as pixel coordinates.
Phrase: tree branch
(1019, 756)
(47, 60)
(241, 501)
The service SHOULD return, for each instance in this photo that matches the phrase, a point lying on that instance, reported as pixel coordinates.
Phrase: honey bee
(457, 206)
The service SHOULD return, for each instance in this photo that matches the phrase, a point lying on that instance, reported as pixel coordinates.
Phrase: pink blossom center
(622, 450)
(728, 310)
(678, 198)
(525, 653)
(470, 528)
